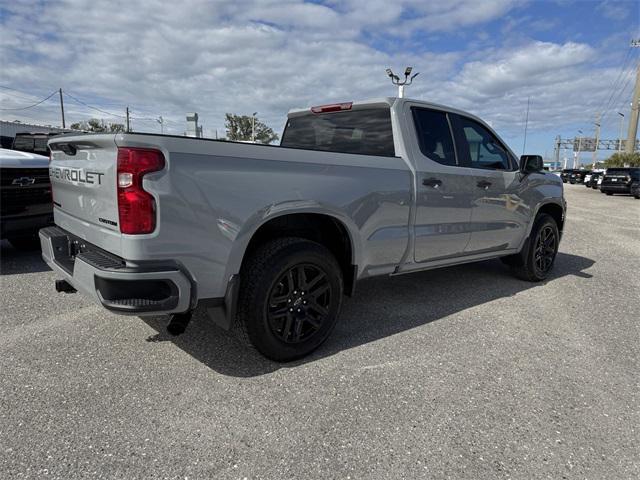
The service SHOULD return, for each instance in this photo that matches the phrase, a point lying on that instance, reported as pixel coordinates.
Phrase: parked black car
(593, 181)
(26, 205)
(577, 176)
(619, 180)
(565, 174)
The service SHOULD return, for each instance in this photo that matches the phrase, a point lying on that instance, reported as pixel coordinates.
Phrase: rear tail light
(334, 107)
(136, 207)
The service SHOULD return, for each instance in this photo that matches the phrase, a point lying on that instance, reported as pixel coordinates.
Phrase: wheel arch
(552, 207)
(336, 232)
(554, 210)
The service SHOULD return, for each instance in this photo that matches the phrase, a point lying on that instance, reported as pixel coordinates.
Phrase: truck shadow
(13, 261)
(381, 307)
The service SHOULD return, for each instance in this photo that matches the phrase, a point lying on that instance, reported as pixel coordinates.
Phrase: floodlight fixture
(395, 79)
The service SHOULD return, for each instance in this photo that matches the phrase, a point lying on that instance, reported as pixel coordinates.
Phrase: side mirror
(531, 164)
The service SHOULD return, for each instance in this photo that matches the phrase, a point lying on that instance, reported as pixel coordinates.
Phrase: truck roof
(388, 102)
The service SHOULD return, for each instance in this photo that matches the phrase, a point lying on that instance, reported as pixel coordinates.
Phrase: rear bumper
(140, 289)
(616, 188)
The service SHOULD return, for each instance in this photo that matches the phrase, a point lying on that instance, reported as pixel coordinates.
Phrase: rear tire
(26, 243)
(290, 297)
(536, 260)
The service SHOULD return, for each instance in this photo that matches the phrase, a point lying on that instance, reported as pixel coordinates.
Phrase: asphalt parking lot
(457, 373)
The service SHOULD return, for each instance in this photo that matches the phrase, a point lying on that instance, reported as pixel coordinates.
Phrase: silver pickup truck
(268, 239)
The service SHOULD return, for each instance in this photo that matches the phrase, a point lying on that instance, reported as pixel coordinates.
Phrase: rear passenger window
(434, 135)
(485, 149)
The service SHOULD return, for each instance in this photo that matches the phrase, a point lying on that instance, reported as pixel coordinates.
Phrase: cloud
(616, 10)
(453, 14)
(169, 58)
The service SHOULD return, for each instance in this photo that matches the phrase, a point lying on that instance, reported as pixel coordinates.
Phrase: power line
(621, 92)
(31, 106)
(625, 61)
(91, 107)
(16, 96)
(131, 117)
(613, 98)
(143, 119)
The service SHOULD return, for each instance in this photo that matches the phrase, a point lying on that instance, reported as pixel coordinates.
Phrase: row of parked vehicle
(609, 182)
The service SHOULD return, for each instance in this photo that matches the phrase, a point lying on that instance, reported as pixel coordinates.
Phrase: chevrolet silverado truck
(268, 239)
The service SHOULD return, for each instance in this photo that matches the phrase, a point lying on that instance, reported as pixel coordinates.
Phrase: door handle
(484, 184)
(431, 182)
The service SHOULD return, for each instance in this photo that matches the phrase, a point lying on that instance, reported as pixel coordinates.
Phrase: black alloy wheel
(299, 303)
(546, 246)
(290, 297)
(536, 260)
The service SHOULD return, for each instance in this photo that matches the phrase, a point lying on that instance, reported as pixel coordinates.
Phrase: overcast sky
(172, 57)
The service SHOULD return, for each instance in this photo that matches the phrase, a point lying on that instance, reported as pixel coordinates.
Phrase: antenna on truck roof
(408, 80)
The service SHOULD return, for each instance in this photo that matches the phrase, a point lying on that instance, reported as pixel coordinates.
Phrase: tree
(239, 128)
(620, 159)
(98, 126)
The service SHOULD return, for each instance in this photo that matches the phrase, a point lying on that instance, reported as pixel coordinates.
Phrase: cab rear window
(362, 131)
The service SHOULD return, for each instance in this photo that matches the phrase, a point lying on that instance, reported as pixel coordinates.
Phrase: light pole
(620, 135)
(401, 84)
(253, 127)
(160, 120)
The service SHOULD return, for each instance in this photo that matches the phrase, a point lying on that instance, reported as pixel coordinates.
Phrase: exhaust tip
(64, 286)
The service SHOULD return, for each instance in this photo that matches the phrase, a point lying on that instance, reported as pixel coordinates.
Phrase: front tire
(538, 255)
(290, 297)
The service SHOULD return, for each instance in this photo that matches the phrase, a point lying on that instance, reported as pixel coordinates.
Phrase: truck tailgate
(83, 173)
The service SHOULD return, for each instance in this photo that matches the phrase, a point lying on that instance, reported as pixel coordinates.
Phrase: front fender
(556, 201)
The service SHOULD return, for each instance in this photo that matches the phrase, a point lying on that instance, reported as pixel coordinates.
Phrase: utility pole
(595, 150)
(160, 120)
(620, 134)
(127, 119)
(253, 127)
(556, 152)
(630, 144)
(576, 158)
(62, 108)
